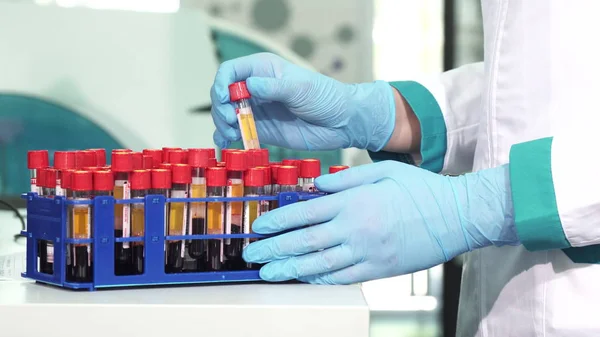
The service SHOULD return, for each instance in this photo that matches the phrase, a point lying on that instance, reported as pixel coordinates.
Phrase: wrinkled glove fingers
(299, 214)
(294, 243)
(355, 176)
(328, 260)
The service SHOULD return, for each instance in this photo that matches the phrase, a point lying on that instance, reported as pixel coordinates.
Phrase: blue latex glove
(299, 109)
(387, 219)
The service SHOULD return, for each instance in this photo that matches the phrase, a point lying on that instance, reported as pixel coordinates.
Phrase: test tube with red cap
(287, 178)
(122, 165)
(161, 185)
(267, 180)
(147, 162)
(81, 215)
(296, 164)
(337, 168)
(137, 159)
(100, 156)
(310, 169)
(141, 182)
(85, 158)
(198, 161)
(240, 97)
(274, 184)
(176, 157)
(36, 159)
(253, 187)
(50, 181)
(181, 177)
(156, 155)
(235, 165)
(63, 160)
(166, 152)
(216, 183)
(103, 183)
(45, 247)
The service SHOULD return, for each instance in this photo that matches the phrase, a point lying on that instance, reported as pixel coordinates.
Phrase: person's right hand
(299, 109)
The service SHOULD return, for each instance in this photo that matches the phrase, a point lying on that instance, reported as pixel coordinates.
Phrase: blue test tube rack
(47, 220)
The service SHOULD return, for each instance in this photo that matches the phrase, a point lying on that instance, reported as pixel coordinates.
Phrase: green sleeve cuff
(534, 200)
(433, 127)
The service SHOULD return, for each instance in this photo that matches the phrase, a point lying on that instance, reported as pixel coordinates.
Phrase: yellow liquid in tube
(137, 223)
(248, 129)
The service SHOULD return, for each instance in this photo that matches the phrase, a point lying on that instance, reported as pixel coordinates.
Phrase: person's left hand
(386, 219)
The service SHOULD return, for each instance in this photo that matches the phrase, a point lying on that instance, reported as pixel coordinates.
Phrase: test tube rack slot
(47, 220)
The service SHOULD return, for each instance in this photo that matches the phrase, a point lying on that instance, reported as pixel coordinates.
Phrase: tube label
(34, 188)
(59, 190)
(126, 213)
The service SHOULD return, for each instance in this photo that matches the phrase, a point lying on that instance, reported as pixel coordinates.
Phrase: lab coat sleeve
(555, 187)
(448, 110)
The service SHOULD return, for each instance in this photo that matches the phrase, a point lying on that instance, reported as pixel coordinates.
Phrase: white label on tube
(185, 220)
(59, 190)
(126, 211)
(246, 221)
(34, 187)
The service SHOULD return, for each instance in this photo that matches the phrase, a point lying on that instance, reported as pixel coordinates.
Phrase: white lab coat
(540, 78)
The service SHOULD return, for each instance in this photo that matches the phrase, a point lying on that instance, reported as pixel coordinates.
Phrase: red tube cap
(264, 158)
(198, 157)
(141, 179)
(224, 154)
(165, 166)
(51, 176)
(182, 174)
(236, 161)
(211, 152)
(254, 177)
(287, 175)
(65, 179)
(186, 154)
(40, 179)
(238, 91)
(212, 162)
(121, 150)
(81, 181)
(266, 173)
(220, 164)
(176, 157)
(216, 176)
(85, 158)
(100, 156)
(122, 162)
(274, 169)
(147, 162)
(166, 151)
(156, 156)
(337, 168)
(64, 160)
(310, 168)
(161, 179)
(103, 181)
(37, 159)
(254, 158)
(137, 159)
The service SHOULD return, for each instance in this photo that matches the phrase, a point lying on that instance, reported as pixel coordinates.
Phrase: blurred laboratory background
(77, 74)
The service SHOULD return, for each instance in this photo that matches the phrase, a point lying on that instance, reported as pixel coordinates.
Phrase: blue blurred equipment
(387, 219)
(300, 109)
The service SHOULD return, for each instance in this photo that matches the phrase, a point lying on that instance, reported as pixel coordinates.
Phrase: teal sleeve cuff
(536, 214)
(433, 127)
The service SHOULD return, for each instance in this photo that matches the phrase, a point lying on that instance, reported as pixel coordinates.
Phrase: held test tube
(216, 181)
(235, 165)
(178, 214)
(140, 184)
(198, 161)
(253, 187)
(310, 169)
(240, 97)
(122, 165)
(81, 226)
(36, 159)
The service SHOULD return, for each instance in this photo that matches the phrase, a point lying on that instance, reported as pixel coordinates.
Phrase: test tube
(178, 213)
(337, 168)
(81, 227)
(84, 158)
(198, 161)
(47, 181)
(216, 181)
(122, 165)
(100, 156)
(253, 187)
(66, 186)
(239, 95)
(63, 160)
(50, 182)
(267, 180)
(36, 159)
(287, 178)
(40, 174)
(235, 165)
(140, 184)
(296, 164)
(310, 169)
(161, 185)
(274, 184)
(156, 155)
(176, 157)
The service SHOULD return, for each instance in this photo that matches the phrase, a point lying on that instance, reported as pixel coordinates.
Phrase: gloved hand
(386, 219)
(299, 109)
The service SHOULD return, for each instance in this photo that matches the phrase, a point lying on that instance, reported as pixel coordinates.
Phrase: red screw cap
(156, 156)
(253, 158)
(310, 168)
(198, 157)
(166, 151)
(182, 174)
(211, 153)
(287, 175)
(65, 179)
(40, 174)
(137, 159)
(51, 176)
(266, 173)
(121, 150)
(254, 177)
(238, 91)
(220, 164)
(216, 176)
(161, 179)
(165, 166)
(176, 157)
(100, 156)
(147, 162)
(337, 168)
(264, 160)
(122, 162)
(103, 181)
(274, 168)
(212, 162)
(141, 179)
(37, 159)
(82, 180)
(224, 154)
(235, 161)
(64, 160)
(85, 158)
